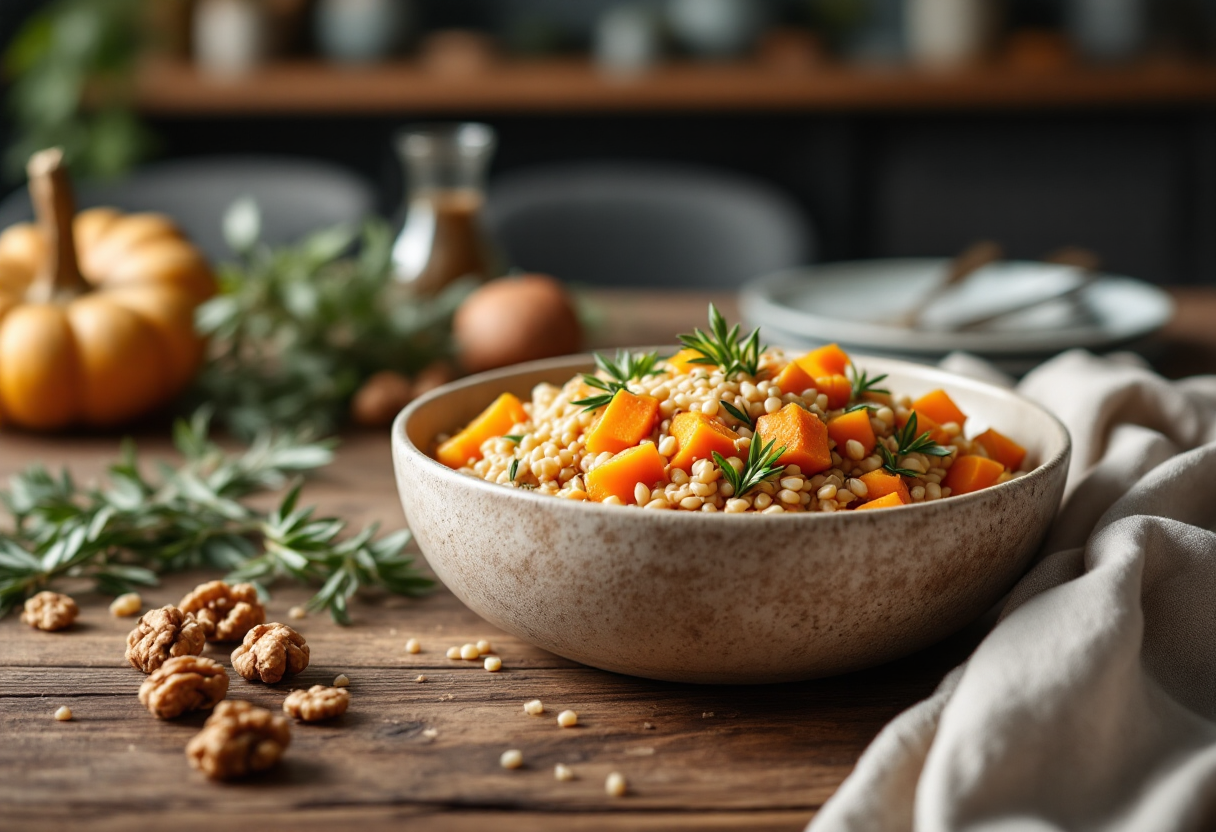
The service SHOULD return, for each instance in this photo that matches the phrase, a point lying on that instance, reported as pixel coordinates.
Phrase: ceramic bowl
(718, 598)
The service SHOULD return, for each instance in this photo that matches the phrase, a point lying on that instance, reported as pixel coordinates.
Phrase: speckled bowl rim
(571, 364)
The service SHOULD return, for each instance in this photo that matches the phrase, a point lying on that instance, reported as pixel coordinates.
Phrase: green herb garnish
(909, 443)
(862, 383)
(760, 465)
(627, 367)
(741, 415)
(513, 470)
(514, 437)
(722, 347)
(134, 527)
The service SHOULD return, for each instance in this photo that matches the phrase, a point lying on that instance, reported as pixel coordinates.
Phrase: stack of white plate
(1047, 309)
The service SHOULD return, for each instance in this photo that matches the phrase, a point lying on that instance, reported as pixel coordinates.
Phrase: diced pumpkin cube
(972, 473)
(855, 425)
(891, 500)
(926, 424)
(881, 483)
(794, 379)
(697, 437)
(627, 420)
(837, 388)
(681, 362)
(619, 476)
(825, 361)
(504, 413)
(939, 407)
(803, 435)
(1003, 449)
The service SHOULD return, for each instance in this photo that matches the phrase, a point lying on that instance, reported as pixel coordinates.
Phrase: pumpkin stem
(55, 208)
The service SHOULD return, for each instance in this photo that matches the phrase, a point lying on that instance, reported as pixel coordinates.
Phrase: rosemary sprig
(908, 442)
(741, 415)
(760, 465)
(722, 347)
(862, 383)
(135, 527)
(513, 470)
(627, 367)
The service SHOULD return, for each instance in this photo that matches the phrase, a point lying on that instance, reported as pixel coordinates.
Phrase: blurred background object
(231, 37)
(1053, 122)
(646, 225)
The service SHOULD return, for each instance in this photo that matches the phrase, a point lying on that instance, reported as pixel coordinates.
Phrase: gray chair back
(646, 225)
(297, 196)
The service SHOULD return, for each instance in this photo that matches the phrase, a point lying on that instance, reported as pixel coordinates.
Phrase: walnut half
(50, 611)
(270, 652)
(163, 634)
(225, 612)
(238, 739)
(183, 684)
(317, 703)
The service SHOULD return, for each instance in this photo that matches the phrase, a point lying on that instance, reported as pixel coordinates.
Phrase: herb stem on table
(136, 527)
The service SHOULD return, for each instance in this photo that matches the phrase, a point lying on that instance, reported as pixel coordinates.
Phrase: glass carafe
(442, 239)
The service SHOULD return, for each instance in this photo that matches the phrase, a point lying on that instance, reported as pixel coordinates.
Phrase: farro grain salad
(728, 425)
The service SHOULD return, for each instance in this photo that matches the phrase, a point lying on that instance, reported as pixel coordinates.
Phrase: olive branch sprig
(626, 367)
(908, 442)
(724, 348)
(760, 465)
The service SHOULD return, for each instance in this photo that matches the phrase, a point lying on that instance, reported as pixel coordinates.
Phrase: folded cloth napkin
(1091, 705)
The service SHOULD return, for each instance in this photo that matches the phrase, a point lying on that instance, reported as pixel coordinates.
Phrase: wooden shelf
(565, 86)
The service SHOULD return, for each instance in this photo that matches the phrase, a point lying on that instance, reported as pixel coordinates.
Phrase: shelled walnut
(270, 652)
(163, 634)
(225, 612)
(317, 703)
(50, 611)
(238, 739)
(184, 684)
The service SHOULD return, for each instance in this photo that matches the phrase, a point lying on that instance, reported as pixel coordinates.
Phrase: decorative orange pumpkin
(96, 310)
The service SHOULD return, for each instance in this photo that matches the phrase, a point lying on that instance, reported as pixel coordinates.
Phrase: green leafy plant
(723, 347)
(134, 527)
(908, 442)
(71, 67)
(626, 367)
(296, 330)
(760, 465)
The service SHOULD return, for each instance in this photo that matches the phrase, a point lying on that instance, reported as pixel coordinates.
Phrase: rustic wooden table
(762, 758)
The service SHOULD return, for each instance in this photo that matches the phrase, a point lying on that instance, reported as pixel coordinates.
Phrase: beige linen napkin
(1090, 705)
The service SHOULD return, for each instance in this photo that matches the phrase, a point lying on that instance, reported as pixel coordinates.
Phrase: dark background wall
(1137, 187)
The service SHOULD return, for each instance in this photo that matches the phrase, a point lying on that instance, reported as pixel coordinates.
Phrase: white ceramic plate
(853, 303)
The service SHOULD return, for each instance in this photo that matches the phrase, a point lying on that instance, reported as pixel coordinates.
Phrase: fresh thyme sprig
(135, 527)
(722, 347)
(862, 383)
(627, 367)
(908, 442)
(760, 465)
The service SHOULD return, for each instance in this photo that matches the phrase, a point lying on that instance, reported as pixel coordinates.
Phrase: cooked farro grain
(548, 451)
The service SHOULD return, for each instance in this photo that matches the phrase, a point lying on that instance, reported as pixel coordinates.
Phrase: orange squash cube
(620, 475)
(939, 407)
(837, 388)
(1003, 449)
(891, 500)
(881, 484)
(698, 437)
(504, 413)
(825, 361)
(803, 435)
(681, 362)
(855, 425)
(627, 420)
(926, 424)
(794, 379)
(972, 473)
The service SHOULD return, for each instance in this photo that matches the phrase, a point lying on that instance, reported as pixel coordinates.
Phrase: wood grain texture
(757, 758)
(573, 85)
